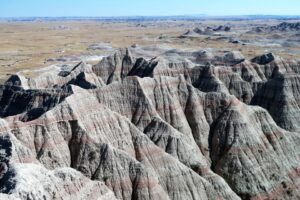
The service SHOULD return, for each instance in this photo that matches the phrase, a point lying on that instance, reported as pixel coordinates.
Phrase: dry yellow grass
(27, 45)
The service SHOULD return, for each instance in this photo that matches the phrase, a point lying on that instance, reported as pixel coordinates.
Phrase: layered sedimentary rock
(175, 126)
(282, 27)
(196, 32)
(230, 73)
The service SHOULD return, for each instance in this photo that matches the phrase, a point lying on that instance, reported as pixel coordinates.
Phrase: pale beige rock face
(36, 182)
(164, 128)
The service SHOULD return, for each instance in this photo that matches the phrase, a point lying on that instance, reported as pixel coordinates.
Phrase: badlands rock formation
(178, 125)
(282, 27)
(205, 31)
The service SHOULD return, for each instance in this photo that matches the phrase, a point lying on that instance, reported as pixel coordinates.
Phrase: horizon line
(184, 15)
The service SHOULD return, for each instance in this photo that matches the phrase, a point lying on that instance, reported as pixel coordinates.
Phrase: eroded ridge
(178, 125)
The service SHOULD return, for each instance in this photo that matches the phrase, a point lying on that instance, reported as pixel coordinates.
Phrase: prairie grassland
(28, 45)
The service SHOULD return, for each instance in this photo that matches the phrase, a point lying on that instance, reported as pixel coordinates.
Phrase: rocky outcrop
(264, 59)
(286, 26)
(189, 33)
(229, 73)
(222, 28)
(198, 31)
(233, 58)
(115, 67)
(176, 126)
(36, 182)
(282, 27)
(29, 104)
(143, 68)
(281, 96)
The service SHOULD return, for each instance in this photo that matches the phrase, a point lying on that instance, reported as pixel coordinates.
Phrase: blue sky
(26, 8)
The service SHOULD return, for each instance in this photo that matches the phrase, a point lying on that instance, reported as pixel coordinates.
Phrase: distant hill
(151, 18)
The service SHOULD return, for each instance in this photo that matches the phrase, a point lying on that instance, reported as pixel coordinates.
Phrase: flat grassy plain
(30, 45)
